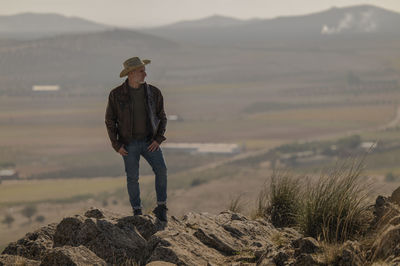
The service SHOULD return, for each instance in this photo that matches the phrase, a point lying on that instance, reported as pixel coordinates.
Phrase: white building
(217, 148)
(7, 174)
(45, 88)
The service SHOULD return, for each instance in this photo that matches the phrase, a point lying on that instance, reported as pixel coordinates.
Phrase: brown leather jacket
(119, 115)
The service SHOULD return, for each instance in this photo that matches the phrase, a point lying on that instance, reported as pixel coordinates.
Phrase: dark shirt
(140, 129)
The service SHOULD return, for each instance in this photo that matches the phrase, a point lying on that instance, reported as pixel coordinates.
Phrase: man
(136, 121)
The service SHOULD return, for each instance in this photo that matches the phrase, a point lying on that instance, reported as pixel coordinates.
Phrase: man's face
(138, 75)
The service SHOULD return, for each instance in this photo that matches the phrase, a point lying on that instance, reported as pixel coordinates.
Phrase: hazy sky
(139, 13)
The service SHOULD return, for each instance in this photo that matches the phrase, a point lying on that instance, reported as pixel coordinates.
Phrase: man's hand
(154, 146)
(122, 151)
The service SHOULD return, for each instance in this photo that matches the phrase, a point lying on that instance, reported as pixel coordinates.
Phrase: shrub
(284, 201)
(235, 204)
(40, 219)
(390, 177)
(335, 207)
(332, 208)
(8, 219)
(262, 203)
(197, 182)
(29, 211)
(279, 200)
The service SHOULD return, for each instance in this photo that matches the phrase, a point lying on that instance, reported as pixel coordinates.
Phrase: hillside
(360, 39)
(33, 25)
(74, 61)
(101, 237)
(364, 21)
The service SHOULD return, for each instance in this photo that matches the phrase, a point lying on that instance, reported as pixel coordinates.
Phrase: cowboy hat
(132, 64)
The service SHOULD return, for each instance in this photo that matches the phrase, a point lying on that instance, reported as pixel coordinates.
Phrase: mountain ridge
(38, 25)
(347, 22)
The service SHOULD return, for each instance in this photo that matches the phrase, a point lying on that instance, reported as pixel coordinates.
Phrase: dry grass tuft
(236, 204)
(284, 201)
(335, 207)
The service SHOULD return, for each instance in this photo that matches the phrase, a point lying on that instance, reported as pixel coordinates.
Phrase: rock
(215, 241)
(384, 211)
(387, 243)
(160, 263)
(104, 237)
(68, 255)
(281, 258)
(6, 260)
(306, 245)
(145, 224)
(205, 238)
(94, 213)
(307, 260)
(33, 245)
(395, 197)
(177, 244)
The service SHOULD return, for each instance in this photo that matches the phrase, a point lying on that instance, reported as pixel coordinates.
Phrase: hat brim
(125, 71)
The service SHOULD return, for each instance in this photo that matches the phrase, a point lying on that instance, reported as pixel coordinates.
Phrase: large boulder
(34, 245)
(107, 238)
(73, 256)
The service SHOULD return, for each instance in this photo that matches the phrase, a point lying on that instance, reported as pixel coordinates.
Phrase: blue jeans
(157, 163)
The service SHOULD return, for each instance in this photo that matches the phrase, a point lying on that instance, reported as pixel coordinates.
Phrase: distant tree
(292, 161)
(40, 219)
(8, 219)
(353, 79)
(390, 177)
(105, 203)
(29, 211)
(351, 142)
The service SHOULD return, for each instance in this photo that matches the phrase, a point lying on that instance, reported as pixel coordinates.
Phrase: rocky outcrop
(99, 237)
(196, 239)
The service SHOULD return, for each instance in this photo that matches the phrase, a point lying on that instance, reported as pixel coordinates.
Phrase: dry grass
(335, 207)
(284, 202)
(332, 208)
(261, 203)
(235, 204)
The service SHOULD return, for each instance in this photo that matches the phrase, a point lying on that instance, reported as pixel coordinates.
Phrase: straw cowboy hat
(132, 64)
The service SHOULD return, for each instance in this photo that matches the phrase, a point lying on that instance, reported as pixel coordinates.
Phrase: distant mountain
(209, 22)
(355, 21)
(76, 62)
(33, 25)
